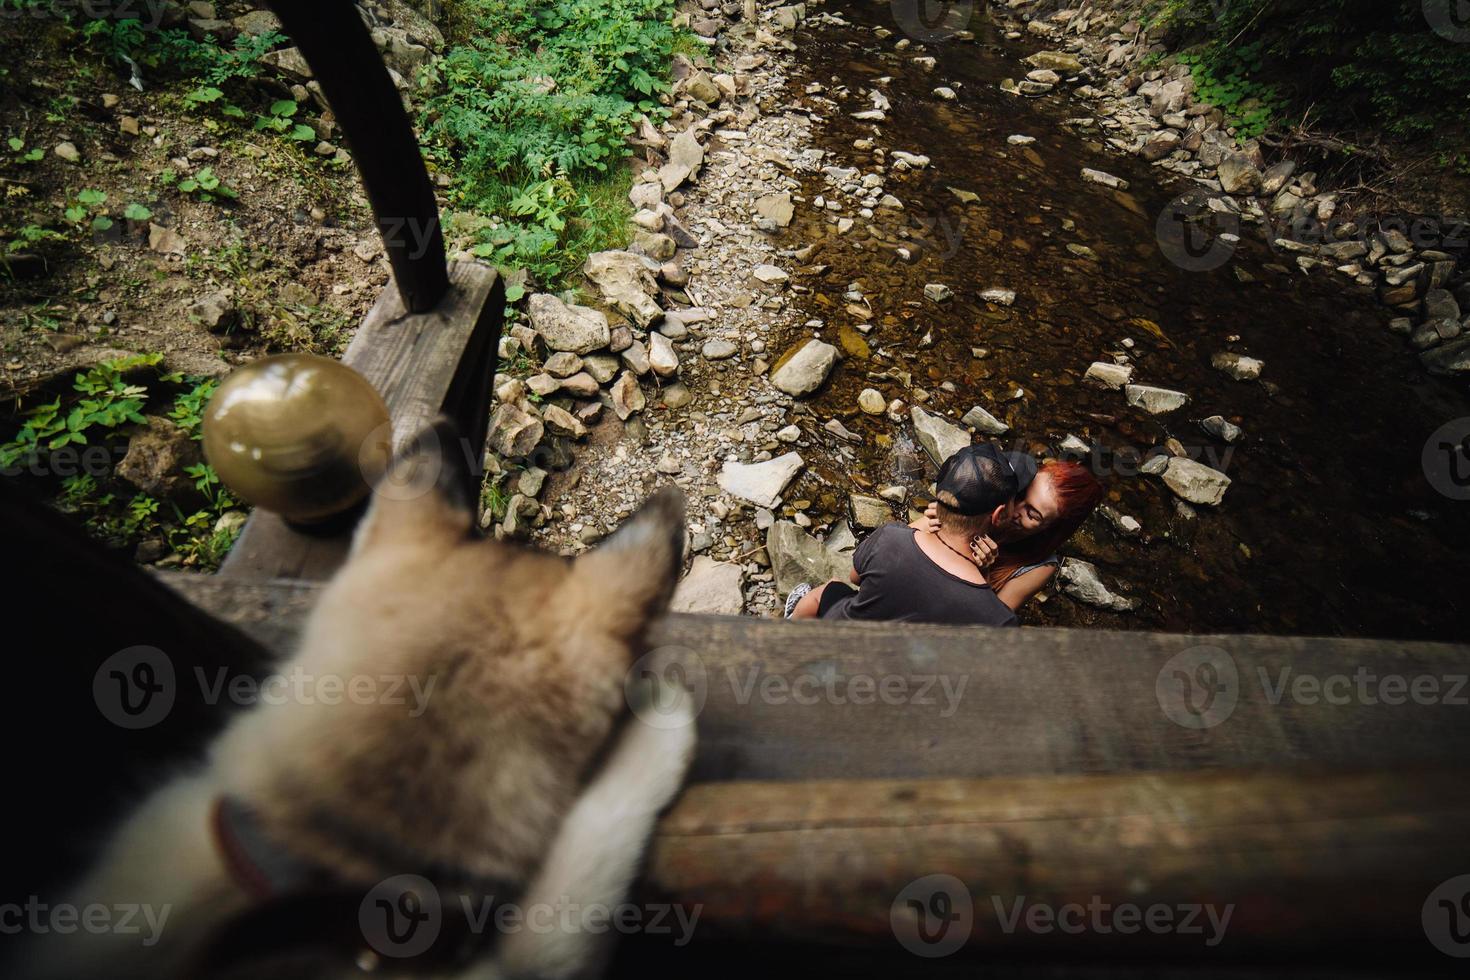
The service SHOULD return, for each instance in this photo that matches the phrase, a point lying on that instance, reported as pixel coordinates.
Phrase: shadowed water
(1329, 526)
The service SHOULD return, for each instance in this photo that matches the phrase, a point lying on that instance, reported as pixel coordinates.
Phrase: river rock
(1109, 374)
(1160, 145)
(869, 511)
(627, 395)
(760, 483)
(718, 349)
(1079, 579)
(940, 439)
(626, 284)
(767, 273)
(566, 327)
(776, 208)
(1195, 482)
(1055, 61)
(661, 356)
(156, 458)
(804, 371)
(998, 296)
(937, 292)
(1238, 366)
(1221, 428)
(1238, 175)
(1155, 401)
(798, 557)
(563, 423)
(983, 422)
(514, 433)
(870, 400)
(1448, 359)
(712, 588)
(686, 156)
(562, 364)
(1104, 178)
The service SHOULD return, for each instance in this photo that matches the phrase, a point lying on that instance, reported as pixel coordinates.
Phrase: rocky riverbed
(858, 248)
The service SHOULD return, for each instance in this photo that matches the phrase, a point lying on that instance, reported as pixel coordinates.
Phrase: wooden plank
(1336, 863)
(788, 700)
(422, 364)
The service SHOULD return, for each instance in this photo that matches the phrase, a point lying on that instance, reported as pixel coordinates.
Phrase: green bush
(533, 118)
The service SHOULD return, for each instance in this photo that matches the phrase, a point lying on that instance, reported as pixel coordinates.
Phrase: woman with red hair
(1020, 556)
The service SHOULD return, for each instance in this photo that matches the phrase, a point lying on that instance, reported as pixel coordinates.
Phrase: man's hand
(931, 514)
(984, 549)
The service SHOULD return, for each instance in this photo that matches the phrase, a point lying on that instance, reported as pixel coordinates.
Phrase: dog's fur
(516, 770)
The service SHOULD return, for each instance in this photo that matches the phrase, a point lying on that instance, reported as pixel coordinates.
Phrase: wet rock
(1238, 175)
(868, 511)
(1019, 140)
(627, 396)
(1195, 482)
(940, 439)
(916, 161)
(760, 483)
(1000, 297)
(870, 400)
(1057, 61)
(789, 433)
(156, 458)
(983, 422)
(1221, 428)
(565, 327)
(776, 208)
(1104, 178)
(1122, 524)
(1079, 579)
(1109, 374)
(798, 557)
(1155, 401)
(804, 371)
(711, 588)
(1238, 366)
(1440, 304)
(626, 284)
(514, 433)
(937, 292)
(946, 93)
(841, 431)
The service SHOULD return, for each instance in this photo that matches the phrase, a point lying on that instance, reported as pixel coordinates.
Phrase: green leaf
(284, 107)
(16, 144)
(303, 132)
(91, 197)
(137, 212)
(101, 223)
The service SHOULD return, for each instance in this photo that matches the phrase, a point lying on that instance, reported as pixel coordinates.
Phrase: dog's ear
(630, 577)
(426, 493)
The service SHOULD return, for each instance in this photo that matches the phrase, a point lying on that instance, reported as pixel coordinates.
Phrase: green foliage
(22, 155)
(533, 119)
(207, 186)
(1350, 63)
(279, 120)
(104, 400)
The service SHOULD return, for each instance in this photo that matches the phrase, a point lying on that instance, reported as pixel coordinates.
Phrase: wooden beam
(1334, 863)
(786, 700)
(336, 44)
(422, 364)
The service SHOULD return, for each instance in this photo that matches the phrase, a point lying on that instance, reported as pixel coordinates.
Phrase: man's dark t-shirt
(901, 583)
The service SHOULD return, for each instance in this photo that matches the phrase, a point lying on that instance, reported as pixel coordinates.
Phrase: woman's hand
(984, 550)
(931, 515)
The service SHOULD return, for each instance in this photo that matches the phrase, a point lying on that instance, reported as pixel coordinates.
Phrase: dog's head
(493, 673)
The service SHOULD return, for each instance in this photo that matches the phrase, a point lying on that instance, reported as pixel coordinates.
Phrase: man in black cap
(914, 575)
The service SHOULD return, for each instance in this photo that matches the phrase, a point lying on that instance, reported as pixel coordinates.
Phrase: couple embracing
(985, 545)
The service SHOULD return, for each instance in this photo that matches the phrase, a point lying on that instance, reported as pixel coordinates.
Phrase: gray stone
(661, 356)
(983, 422)
(566, 327)
(1155, 401)
(1238, 366)
(215, 312)
(718, 349)
(1221, 428)
(870, 400)
(770, 274)
(636, 358)
(626, 285)
(776, 208)
(686, 156)
(760, 483)
(1104, 178)
(1079, 579)
(1238, 175)
(869, 511)
(1195, 482)
(711, 588)
(627, 396)
(1109, 374)
(804, 371)
(937, 292)
(798, 557)
(1449, 359)
(514, 433)
(562, 364)
(940, 439)
(156, 458)
(602, 367)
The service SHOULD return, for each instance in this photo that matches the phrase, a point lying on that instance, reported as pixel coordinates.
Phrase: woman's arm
(1022, 587)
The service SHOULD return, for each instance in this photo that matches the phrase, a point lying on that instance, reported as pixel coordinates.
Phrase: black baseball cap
(980, 478)
(1025, 466)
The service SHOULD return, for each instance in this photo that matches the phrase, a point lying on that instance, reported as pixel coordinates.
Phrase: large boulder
(567, 327)
(940, 439)
(798, 557)
(626, 284)
(713, 588)
(760, 483)
(803, 372)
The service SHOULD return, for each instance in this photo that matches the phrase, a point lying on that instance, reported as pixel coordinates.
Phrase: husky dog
(523, 778)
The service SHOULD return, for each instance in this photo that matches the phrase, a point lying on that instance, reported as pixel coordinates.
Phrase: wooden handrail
(336, 44)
